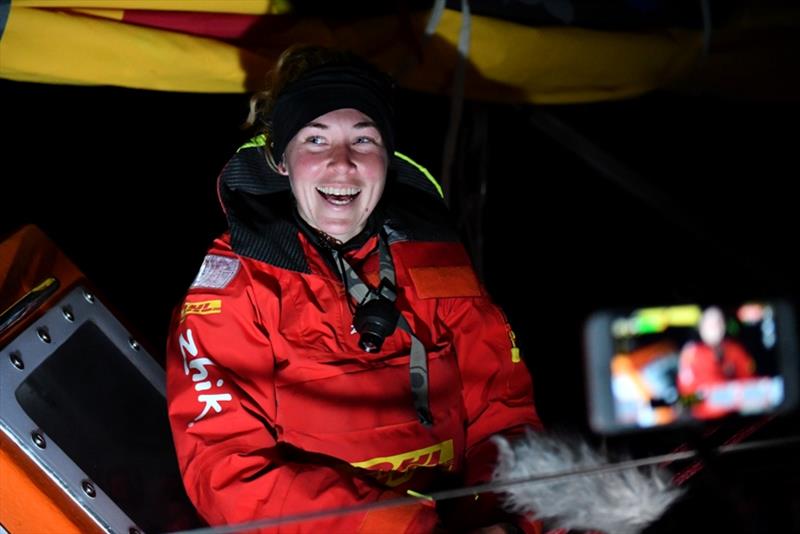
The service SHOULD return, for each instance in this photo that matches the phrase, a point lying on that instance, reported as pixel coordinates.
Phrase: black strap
(361, 293)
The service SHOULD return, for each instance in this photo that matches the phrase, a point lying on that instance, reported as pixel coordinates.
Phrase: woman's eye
(315, 140)
(364, 139)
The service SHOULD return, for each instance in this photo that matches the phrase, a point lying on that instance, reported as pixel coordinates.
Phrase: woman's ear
(281, 167)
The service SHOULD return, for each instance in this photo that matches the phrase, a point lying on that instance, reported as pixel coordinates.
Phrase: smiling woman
(337, 169)
(336, 347)
(328, 115)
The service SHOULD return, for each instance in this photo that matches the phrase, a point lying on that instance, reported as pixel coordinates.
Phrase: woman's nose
(342, 158)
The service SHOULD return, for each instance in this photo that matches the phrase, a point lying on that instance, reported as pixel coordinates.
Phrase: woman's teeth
(339, 195)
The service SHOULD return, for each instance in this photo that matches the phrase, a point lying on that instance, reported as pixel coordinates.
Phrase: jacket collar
(260, 209)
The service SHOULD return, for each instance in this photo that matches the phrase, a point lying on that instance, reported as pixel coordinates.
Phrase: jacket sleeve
(496, 386)
(496, 389)
(222, 410)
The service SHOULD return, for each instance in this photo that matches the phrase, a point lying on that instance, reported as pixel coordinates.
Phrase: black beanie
(328, 88)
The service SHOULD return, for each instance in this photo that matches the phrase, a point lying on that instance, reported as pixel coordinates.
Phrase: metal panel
(27, 353)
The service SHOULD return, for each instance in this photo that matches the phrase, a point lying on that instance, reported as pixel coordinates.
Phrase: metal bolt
(134, 344)
(16, 360)
(88, 488)
(88, 296)
(38, 439)
(43, 334)
(67, 312)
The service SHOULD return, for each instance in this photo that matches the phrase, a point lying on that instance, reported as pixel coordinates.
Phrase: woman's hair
(293, 64)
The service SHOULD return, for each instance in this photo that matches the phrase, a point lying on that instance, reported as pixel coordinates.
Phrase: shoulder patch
(442, 282)
(216, 272)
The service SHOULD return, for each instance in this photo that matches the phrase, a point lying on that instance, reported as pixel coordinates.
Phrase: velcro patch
(444, 282)
(216, 272)
(205, 307)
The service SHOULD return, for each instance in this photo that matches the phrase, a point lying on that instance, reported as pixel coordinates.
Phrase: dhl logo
(394, 470)
(205, 307)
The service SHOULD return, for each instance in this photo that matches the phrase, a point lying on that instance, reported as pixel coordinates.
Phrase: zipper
(515, 356)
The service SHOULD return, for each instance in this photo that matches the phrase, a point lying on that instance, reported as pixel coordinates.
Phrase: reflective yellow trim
(259, 140)
(423, 170)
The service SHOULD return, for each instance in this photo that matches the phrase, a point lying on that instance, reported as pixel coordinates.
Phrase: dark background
(124, 182)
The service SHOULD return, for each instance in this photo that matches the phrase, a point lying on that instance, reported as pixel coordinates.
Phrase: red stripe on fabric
(217, 25)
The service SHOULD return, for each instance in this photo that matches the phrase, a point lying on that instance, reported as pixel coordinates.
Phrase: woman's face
(337, 169)
(712, 326)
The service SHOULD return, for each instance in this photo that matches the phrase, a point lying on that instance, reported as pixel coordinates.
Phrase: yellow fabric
(68, 48)
(114, 14)
(557, 64)
(508, 62)
(248, 7)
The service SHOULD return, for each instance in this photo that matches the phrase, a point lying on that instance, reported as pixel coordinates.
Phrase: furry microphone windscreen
(618, 502)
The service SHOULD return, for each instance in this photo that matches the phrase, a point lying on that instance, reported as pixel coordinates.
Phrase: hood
(259, 207)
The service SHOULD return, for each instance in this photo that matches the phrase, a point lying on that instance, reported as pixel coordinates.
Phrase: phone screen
(660, 366)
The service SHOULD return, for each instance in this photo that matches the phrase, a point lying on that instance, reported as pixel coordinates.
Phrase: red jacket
(701, 369)
(275, 410)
